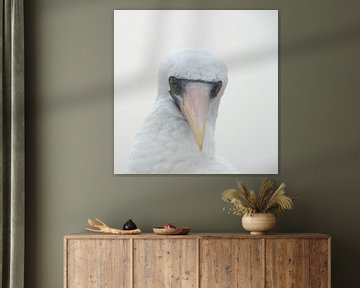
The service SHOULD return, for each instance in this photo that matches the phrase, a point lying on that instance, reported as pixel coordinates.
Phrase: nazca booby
(178, 137)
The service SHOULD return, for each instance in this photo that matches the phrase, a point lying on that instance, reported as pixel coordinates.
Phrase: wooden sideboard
(197, 260)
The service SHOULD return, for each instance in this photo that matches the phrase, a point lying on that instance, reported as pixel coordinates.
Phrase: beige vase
(259, 223)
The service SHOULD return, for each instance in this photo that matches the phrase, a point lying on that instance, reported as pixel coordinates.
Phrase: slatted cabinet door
(98, 263)
(287, 263)
(231, 263)
(165, 263)
(320, 263)
(297, 263)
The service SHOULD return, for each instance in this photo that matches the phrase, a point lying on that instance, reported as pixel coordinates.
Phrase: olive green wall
(69, 86)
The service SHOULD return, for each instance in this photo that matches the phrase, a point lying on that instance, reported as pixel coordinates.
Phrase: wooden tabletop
(89, 235)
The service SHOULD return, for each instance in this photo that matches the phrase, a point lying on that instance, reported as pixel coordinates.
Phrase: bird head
(194, 81)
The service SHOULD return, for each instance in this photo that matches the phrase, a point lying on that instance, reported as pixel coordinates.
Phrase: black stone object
(129, 225)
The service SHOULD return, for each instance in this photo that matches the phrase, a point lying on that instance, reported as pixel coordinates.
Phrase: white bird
(178, 137)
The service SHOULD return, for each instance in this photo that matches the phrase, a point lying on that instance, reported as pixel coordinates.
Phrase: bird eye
(216, 89)
(175, 87)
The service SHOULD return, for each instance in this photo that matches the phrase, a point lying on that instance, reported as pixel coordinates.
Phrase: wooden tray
(171, 231)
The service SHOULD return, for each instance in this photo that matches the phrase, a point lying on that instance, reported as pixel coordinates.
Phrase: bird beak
(195, 107)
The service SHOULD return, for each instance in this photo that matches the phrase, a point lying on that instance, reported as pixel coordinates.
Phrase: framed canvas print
(196, 92)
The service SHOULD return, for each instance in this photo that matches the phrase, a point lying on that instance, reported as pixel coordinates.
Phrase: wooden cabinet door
(287, 263)
(98, 263)
(231, 263)
(320, 263)
(297, 263)
(165, 263)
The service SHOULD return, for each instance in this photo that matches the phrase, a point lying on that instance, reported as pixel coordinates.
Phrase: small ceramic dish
(171, 231)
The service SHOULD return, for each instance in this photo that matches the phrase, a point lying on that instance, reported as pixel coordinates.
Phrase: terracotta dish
(171, 231)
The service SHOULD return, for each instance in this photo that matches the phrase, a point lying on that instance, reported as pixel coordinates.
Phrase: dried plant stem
(245, 201)
(101, 227)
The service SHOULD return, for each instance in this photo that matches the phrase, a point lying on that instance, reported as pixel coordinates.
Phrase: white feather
(165, 144)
